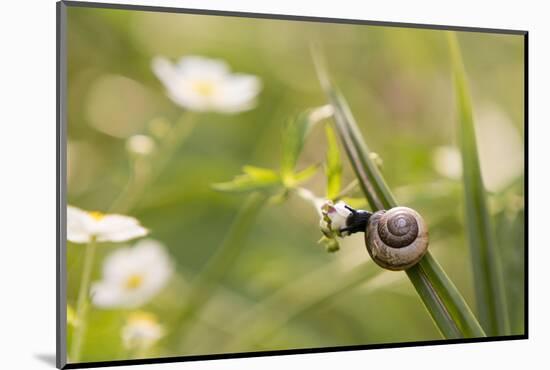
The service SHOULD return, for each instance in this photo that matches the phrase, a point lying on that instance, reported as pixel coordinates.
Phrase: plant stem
(144, 171)
(442, 299)
(82, 302)
(217, 266)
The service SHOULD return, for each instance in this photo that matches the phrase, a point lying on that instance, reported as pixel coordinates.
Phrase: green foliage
(257, 178)
(490, 298)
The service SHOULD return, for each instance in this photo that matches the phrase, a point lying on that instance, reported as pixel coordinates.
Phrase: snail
(396, 239)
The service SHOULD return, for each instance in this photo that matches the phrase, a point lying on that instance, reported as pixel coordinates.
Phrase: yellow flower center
(96, 215)
(142, 317)
(204, 88)
(134, 282)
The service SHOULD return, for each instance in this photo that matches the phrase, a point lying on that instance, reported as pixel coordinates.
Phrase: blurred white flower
(448, 162)
(132, 276)
(500, 151)
(141, 331)
(140, 144)
(334, 218)
(320, 113)
(83, 226)
(500, 148)
(202, 84)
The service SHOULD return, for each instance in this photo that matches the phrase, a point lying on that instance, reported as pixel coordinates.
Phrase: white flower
(500, 148)
(448, 162)
(140, 144)
(500, 151)
(141, 331)
(334, 218)
(320, 113)
(82, 226)
(132, 276)
(202, 84)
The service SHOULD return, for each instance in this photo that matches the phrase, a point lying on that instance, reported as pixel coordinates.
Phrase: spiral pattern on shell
(396, 239)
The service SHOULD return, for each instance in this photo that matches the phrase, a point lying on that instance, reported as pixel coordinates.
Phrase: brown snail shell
(396, 239)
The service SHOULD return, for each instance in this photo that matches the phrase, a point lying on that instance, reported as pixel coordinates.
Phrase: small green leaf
(295, 134)
(254, 178)
(489, 285)
(304, 174)
(261, 174)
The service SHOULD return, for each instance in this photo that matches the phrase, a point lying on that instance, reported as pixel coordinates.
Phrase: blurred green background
(397, 82)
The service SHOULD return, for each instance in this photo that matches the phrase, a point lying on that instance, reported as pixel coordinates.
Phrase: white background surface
(27, 183)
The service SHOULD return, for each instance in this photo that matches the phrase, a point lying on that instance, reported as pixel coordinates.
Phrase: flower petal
(238, 93)
(147, 260)
(157, 273)
(141, 331)
(104, 295)
(119, 228)
(78, 225)
(201, 67)
(164, 70)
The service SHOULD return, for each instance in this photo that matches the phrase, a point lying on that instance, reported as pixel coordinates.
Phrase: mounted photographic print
(235, 184)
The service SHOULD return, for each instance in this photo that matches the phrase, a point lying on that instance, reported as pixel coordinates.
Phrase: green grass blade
(333, 167)
(370, 179)
(441, 297)
(489, 288)
(253, 179)
(444, 302)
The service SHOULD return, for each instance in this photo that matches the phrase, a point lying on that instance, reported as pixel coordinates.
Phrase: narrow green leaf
(295, 134)
(254, 178)
(443, 300)
(489, 287)
(261, 174)
(305, 174)
(333, 167)
(440, 296)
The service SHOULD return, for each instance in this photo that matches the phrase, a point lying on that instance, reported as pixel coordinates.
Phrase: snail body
(396, 239)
